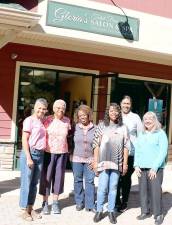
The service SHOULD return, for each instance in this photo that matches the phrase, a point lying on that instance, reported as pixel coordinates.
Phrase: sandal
(35, 215)
(26, 216)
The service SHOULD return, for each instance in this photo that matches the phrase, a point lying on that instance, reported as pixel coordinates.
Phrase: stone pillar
(6, 156)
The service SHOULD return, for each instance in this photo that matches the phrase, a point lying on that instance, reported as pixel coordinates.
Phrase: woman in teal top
(149, 160)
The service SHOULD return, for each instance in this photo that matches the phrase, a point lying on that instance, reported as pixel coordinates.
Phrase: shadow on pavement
(134, 201)
(67, 202)
(9, 185)
(167, 201)
(64, 203)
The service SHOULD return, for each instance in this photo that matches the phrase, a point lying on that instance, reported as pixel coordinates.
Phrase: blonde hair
(157, 124)
(87, 110)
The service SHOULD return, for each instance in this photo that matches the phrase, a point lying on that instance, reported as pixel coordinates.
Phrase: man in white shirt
(134, 125)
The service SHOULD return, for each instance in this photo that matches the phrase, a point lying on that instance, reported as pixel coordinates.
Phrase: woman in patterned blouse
(55, 157)
(110, 146)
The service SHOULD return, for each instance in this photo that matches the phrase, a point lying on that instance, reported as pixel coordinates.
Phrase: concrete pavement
(10, 213)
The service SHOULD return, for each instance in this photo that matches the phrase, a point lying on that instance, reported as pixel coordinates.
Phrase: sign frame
(69, 16)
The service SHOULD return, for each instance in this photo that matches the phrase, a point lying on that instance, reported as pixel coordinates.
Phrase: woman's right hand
(138, 171)
(95, 164)
(91, 165)
(30, 163)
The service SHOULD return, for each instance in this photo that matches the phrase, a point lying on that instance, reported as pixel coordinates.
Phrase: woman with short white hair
(150, 154)
(55, 157)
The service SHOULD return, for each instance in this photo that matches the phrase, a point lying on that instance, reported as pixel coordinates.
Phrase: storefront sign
(91, 20)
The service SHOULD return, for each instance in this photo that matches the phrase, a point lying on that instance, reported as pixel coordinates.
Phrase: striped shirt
(111, 141)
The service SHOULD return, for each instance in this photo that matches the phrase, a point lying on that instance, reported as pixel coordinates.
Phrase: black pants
(124, 184)
(151, 192)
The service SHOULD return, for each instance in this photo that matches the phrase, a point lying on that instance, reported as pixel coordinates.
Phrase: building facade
(83, 51)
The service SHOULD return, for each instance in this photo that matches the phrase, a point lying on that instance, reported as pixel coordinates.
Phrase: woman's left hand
(152, 174)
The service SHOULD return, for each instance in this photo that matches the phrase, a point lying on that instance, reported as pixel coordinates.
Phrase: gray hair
(42, 101)
(59, 102)
(157, 124)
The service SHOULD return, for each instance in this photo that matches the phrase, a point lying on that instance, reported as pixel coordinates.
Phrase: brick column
(6, 156)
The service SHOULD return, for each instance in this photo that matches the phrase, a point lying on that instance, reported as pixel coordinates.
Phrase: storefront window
(37, 83)
(146, 96)
(33, 84)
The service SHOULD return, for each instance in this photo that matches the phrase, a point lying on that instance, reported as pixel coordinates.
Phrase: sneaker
(45, 209)
(159, 220)
(56, 208)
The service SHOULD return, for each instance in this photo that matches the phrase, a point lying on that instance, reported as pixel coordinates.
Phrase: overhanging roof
(15, 20)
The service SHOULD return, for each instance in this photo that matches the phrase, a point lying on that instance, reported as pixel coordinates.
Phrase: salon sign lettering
(90, 20)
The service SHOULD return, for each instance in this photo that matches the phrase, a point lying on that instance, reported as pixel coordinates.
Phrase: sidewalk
(10, 212)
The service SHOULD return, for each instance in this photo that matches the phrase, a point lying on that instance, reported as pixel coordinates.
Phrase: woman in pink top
(31, 159)
(55, 157)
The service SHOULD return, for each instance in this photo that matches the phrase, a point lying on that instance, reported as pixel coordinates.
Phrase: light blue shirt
(151, 150)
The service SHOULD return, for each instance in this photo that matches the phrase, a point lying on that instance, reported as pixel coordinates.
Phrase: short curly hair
(87, 110)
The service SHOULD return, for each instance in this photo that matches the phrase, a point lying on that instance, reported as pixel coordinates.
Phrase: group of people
(111, 150)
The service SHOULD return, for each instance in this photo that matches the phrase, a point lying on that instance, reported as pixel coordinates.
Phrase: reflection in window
(34, 84)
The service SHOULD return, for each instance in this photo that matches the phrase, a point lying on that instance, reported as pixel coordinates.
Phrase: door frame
(149, 79)
(19, 64)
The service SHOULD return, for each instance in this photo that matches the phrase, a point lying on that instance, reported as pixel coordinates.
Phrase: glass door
(74, 87)
(101, 93)
(33, 83)
(146, 96)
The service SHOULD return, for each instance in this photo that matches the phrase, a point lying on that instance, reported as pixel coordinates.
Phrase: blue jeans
(108, 182)
(81, 171)
(30, 177)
